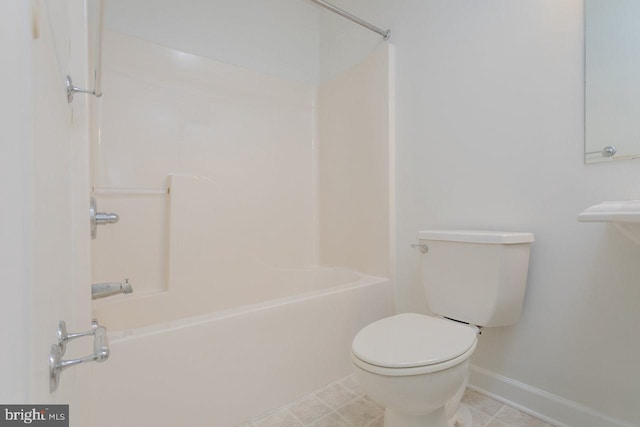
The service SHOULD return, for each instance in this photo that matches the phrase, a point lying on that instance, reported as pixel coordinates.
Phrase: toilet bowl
(416, 367)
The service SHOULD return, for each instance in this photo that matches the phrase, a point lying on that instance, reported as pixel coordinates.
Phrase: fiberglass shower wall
(227, 156)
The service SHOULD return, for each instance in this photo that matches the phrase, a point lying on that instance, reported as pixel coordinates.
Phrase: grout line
(335, 410)
(492, 417)
(288, 409)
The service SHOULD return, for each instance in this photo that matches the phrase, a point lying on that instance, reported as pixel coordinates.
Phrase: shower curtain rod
(384, 33)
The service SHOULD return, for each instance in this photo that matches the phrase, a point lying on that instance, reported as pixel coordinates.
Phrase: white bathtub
(229, 365)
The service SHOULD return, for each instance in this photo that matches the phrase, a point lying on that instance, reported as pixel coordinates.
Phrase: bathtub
(229, 364)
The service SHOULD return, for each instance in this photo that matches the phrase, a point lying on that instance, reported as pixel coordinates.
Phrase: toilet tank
(478, 277)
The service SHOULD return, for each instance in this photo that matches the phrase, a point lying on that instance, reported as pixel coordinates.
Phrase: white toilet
(416, 366)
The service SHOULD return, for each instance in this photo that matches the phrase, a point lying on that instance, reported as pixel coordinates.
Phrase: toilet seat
(418, 370)
(412, 344)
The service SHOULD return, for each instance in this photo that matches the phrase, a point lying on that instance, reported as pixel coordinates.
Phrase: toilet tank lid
(477, 236)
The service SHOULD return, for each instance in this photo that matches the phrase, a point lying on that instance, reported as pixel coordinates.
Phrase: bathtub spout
(102, 290)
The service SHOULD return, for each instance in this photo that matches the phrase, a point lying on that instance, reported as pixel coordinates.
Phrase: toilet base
(462, 418)
(436, 418)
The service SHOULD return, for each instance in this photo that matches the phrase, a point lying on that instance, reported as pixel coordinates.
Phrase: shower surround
(255, 228)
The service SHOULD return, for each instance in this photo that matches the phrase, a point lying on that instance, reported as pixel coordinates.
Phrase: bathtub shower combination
(254, 220)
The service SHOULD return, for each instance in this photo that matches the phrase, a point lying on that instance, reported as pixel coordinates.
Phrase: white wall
(489, 105)
(277, 37)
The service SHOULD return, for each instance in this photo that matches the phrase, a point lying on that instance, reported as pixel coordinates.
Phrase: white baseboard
(546, 406)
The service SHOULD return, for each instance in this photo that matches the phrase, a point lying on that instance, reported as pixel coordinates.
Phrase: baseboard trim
(546, 406)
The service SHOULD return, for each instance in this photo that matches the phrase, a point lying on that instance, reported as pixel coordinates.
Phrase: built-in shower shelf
(624, 215)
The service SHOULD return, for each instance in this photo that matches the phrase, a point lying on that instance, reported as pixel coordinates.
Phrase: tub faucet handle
(57, 364)
(99, 218)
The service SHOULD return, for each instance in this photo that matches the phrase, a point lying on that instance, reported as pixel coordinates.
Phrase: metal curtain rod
(384, 33)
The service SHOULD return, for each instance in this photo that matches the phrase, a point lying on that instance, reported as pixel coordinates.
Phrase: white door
(45, 226)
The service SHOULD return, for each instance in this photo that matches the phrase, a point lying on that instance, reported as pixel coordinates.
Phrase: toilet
(417, 366)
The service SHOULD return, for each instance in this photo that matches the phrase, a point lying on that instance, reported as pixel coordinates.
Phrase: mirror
(612, 80)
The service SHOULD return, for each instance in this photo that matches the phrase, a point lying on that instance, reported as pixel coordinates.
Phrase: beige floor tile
(336, 396)
(480, 419)
(495, 423)
(332, 420)
(378, 422)
(368, 399)
(360, 412)
(309, 409)
(282, 418)
(351, 384)
(515, 418)
(481, 403)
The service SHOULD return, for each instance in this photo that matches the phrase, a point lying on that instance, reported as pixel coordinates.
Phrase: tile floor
(343, 404)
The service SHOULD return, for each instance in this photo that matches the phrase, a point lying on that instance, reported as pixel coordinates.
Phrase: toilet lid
(411, 340)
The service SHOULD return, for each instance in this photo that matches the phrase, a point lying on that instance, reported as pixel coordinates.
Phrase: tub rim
(122, 335)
